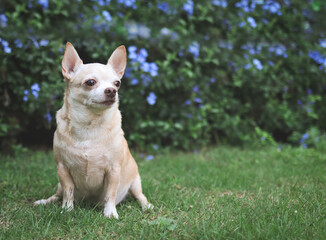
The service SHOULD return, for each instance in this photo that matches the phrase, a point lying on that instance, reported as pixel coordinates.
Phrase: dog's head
(94, 85)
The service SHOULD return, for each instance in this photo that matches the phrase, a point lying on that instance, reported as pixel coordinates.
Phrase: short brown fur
(92, 155)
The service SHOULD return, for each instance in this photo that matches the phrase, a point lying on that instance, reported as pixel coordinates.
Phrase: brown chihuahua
(91, 152)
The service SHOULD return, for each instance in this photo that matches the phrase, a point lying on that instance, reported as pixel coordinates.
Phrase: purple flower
(107, 16)
(272, 7)
(317, 57)
(152, 68)
(194, 49)
(280, 50)
(145, 67)
(212, 80)
(26, 93)
(241, 24)
(251, 48)
(141, 57)
(149, 157)
(188, 102)
(247, 66)
(257, 64)
(48, 117)
(3, 20)
(44, 3)
(18, 43)
(189, 7)
(252, 22)
(224, 44)
(197, 100)
(35, 87)
(322, 42)
(195, 89)
(137, 29)
(103, 2)
(244, 5)
(309, 91)
(144, 31)
(145, 79)
(155, 146)
(44, 42)
(5, 45)
(132, 52)
(138, 56)
(134, 81)
(165, 31)
(143, 52)
(151, 98)
(128, 3)
(221, 3)
(35, 94)
(163, 6)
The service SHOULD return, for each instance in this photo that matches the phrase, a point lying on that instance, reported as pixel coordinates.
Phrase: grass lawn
(219, 193)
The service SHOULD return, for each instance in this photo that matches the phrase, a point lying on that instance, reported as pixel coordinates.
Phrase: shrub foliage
(198, 72)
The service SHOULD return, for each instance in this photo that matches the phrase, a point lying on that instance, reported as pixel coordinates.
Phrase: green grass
(220, 193)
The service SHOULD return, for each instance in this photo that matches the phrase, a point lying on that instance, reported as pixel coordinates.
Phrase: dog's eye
(90, 82)
(117, 83)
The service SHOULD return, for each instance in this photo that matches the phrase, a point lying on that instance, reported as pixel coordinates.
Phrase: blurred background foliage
(199, 72)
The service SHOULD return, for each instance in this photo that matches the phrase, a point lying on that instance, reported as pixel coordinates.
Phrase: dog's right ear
(70, 62)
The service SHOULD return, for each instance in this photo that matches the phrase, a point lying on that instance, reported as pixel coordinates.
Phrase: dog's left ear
(70, 62)
(118, 60)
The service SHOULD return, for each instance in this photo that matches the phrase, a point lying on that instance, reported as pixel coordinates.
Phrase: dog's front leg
(112, 183)
(67, 185)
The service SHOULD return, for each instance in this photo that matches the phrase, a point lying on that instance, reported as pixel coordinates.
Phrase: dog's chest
(86, 161)
(87, 165)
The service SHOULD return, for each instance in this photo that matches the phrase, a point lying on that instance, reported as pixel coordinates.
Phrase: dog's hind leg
(137, 192)
(52, 199)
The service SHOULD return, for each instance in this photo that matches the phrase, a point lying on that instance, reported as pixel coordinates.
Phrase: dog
(92, 155)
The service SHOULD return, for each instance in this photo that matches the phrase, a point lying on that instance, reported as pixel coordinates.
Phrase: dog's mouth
(107, 102)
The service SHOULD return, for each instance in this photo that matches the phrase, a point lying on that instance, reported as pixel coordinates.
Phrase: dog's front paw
(147, 206)
(68, 206)
(40, 202)
(110, 211)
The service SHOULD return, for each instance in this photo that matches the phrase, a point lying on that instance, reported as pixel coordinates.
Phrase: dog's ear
(118, 60)
(70, 62)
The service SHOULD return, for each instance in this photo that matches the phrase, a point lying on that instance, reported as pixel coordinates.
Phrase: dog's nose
(110, 92)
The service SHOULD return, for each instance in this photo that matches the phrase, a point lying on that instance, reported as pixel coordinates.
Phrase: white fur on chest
(87, 161)
(86, 166)
(89, 146)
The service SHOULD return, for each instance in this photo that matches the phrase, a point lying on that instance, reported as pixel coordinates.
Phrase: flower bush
(199, 72)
